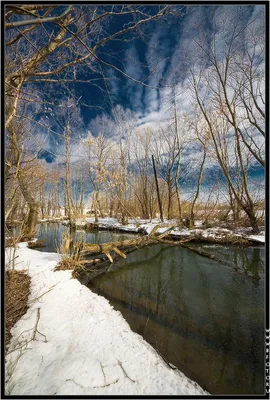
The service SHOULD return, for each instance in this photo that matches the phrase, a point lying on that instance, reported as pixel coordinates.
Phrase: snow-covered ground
(81, 345)
(135, 226)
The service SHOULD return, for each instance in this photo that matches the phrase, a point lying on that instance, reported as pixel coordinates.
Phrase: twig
(108, 384)
(36, 330)
(18, 348)
(120, 364)
(101, 386)
(14, 366)
(75, 383)
(101, 366)
(47, 291)
(33, 336)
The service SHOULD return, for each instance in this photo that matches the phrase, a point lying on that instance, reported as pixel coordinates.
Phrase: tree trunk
(31, 222)
(192, 222)
(95, 204)
(157, 187)
(82, 194)
(32, 218)
(177, 172)
(68, 212)
(178, 195)
(169, 201)
(108, 247)
(252, 218)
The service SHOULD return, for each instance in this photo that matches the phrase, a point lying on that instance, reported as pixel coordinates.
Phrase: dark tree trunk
(31, 222)
(253, 220)
(157, 187)
(32, 218)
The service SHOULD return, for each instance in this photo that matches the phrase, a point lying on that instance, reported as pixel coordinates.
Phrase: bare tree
(22, 151)
(141, 141)
(235, 82)
(36, 54)
(202, 135)
(167, 147)
(219, 92)
(218, 138)
(98, 152)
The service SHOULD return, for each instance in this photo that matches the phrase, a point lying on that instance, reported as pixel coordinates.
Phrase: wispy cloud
(164, 62)
(134, 69)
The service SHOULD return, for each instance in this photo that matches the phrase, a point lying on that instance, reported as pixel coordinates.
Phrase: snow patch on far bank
(88, 347)
(146, 226)
(257, 238)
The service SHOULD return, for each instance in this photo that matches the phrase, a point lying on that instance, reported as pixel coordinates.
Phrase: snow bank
(257, 238)
(133, 226)
(146, 226)
(82, 345)
(52, 219)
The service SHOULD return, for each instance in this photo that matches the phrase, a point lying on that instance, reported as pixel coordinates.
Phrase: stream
(204, 317)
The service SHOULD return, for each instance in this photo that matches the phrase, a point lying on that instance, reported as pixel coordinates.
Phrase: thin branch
(38, 20)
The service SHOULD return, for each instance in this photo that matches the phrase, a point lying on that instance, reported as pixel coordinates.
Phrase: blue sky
(159, 55)
(163, 55)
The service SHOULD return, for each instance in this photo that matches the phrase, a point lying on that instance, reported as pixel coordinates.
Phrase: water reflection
(205, 318)
(52, 234)
(249, 260)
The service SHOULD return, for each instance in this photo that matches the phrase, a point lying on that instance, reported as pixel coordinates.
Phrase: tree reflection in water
(203, 317)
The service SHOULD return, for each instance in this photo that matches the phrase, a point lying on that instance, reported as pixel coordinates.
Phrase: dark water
(52, 234)
(202, 316)
(205, 317)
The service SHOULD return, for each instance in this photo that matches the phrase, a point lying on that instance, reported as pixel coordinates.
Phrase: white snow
(88, 347)
(257, 238)
(53, 219)
(198, 223)
(135, 226)
(80, 222)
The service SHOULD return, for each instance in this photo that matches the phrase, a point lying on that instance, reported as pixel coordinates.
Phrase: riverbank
(219, 235)
(71, 341)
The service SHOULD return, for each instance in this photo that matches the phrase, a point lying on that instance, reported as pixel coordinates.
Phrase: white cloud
(134, 69)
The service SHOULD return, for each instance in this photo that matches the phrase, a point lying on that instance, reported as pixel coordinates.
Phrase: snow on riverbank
(257, 238)
(146, 226)
(87, 348)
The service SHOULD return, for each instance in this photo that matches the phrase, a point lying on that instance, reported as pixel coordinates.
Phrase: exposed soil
(36, 245)
(17, 289)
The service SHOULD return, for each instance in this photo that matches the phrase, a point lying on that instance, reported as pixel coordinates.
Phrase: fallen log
(121, 247)
(118, 246)
(101, 260)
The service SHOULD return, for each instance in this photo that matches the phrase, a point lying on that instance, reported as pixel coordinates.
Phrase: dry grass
(64, 265)
(65, 246)
(17, 289)
(70, 259)
(12, 241)
(70, 264)
(89, 227)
